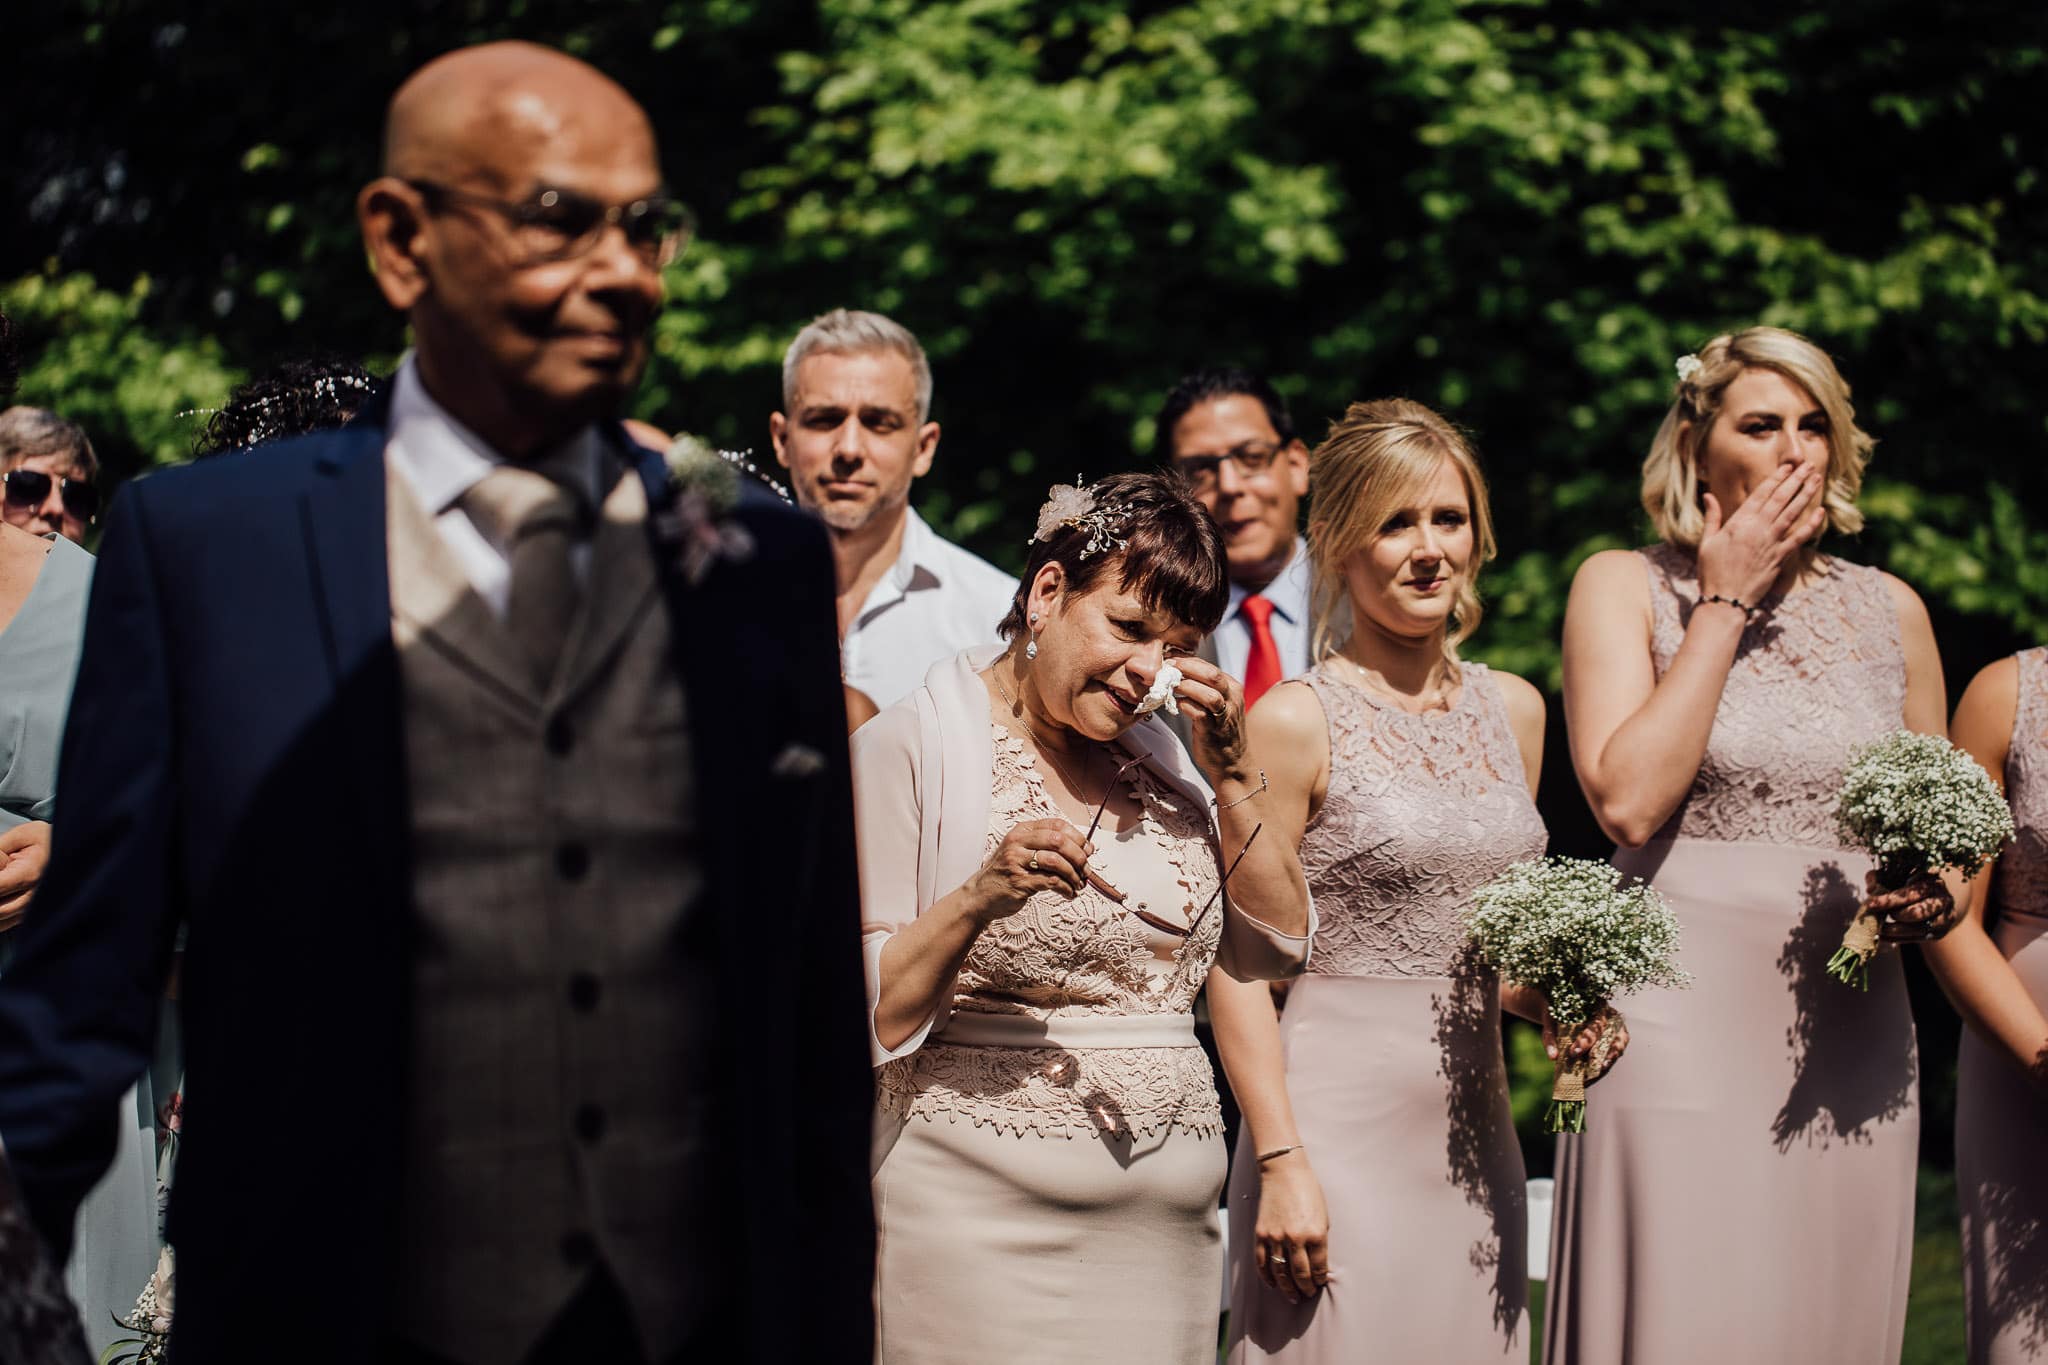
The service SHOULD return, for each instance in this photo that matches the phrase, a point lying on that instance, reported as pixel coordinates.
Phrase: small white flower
(1161, 692)
(695, 466)
(1688, 366)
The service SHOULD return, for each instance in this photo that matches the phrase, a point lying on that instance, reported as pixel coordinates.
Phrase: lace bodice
(1421, 811)
(2020, 886)
(1818, 673)
(1086, 956)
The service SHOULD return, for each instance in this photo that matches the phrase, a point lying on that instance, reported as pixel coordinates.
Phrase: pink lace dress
(1744, 1187)
(1393, 1050)
(2001, 1115)
(1051, 1192)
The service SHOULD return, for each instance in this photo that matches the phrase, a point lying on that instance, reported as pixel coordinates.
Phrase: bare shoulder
(1993, 696)
(1912, 611)
(1289, 713)
(1522, 698)
(1617, 572)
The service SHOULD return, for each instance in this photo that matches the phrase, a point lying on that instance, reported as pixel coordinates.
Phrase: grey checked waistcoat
(561, 1027)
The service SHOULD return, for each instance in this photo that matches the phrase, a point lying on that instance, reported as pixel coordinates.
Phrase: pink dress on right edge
(1744, 1187)
(2001, 1115)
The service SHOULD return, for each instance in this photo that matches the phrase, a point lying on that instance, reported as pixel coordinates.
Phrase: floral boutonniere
(694, 522)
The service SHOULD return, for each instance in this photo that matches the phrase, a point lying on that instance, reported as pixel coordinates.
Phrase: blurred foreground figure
(448, 734)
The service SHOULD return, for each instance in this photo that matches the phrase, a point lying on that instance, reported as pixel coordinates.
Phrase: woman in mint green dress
(43, 587)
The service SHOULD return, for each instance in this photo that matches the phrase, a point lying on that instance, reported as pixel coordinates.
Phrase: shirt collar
(443, 459)
(920, 552)
(1288, 592)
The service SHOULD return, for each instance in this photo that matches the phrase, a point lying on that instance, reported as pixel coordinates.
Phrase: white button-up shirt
(936, 600)
(441, 460)
(1289, 594)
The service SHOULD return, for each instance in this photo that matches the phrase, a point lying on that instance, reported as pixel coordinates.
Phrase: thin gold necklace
(1436, 701)
(996, 676)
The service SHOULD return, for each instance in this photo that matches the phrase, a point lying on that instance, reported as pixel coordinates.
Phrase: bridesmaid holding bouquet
(1995, 968)
(1377, 1194)
(1744, 1189)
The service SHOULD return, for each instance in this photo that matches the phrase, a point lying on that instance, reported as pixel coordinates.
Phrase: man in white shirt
(854, 433)
(1229, 432)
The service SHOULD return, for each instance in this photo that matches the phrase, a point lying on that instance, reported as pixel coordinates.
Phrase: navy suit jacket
(234, 762)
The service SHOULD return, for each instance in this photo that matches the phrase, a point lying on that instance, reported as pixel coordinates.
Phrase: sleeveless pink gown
(1744, 1187)
(2002, 1116)
(1393, 1049)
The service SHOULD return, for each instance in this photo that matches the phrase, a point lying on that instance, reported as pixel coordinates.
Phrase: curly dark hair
(298, 396)
(1172, 552)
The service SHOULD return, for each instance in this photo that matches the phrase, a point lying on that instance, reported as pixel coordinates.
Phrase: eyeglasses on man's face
(29, 489)
(1204, 470)
(559, 225)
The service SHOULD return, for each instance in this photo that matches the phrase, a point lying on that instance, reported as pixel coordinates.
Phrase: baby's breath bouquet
(1568, 928)
(1917, 804)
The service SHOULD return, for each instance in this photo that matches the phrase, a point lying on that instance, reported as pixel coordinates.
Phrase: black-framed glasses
(1251, 461)
(30, 488)
(558, 224)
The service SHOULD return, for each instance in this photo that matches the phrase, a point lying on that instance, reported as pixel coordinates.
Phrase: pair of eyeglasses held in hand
(1164, 926)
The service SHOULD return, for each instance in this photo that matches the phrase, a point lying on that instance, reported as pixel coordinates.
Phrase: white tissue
(1161, 693)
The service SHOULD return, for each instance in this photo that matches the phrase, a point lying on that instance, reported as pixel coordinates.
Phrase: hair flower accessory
(1072, 504)
(703, 489)
(1688, 366)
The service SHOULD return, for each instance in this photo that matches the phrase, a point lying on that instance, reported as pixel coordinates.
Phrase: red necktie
(1262, 665)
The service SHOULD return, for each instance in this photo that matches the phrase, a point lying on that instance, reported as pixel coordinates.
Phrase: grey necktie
(534, 521)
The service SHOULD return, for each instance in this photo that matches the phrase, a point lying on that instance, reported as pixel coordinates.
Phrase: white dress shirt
(936, 600)
(441, 460)
(1289, 593)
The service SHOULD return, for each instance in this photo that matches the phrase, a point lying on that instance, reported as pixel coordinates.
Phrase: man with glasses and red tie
(47, 469)
(1229, 432)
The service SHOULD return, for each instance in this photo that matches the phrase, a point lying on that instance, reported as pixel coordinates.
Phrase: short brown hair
(28, 432)
(1172, 552)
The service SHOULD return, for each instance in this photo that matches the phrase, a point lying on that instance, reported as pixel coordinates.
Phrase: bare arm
(1637, 739)
(1979, 981)
(1233, 750)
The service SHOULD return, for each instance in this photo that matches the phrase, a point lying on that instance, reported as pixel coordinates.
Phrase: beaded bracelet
(1248, 795)
(1748, 612)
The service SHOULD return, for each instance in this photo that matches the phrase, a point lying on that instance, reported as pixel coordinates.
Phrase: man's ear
(778, 436)
(394, 234)
(1297, 467)
(927, 446)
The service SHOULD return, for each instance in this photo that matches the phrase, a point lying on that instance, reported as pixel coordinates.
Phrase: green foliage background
(1518, 210)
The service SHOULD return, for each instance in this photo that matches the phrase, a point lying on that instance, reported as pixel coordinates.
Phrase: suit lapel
(342, 512)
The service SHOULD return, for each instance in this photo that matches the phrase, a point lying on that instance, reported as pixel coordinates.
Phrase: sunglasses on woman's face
(31, 488)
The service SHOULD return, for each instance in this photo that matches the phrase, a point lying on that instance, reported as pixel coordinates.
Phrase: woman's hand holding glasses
(1035, 856)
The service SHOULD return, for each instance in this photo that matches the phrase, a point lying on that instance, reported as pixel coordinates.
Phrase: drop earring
(1031, 646)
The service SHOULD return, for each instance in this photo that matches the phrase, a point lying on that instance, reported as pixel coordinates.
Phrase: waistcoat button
(572, 861)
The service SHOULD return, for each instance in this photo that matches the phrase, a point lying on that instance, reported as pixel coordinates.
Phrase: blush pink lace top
(2020, 886)
(1421, 811)
(1087, 956)
(1819, 673)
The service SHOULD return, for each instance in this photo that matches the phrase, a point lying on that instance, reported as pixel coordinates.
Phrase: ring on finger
(1033, 864)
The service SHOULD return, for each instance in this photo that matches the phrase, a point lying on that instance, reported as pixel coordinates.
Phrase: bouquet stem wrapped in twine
(1566, 1112)
(1851, 962)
